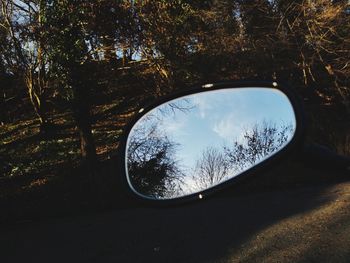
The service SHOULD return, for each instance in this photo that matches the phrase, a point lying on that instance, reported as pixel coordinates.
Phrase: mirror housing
(135, 173)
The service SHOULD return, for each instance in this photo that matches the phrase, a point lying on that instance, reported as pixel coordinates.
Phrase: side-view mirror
(196, 142)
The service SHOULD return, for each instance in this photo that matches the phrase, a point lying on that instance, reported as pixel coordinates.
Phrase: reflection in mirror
(196, 142)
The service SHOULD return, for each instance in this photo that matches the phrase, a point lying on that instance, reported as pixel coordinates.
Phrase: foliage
(134, 51)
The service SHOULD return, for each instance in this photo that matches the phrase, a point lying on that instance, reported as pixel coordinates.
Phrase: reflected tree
(211, 169)
(152, 166)
(171, 109)
(258, 142)
(184, 105)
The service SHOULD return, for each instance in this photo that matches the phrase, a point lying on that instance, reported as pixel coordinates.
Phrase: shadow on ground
(210, 230)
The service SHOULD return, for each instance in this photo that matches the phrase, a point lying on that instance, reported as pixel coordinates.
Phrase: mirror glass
(196, 142)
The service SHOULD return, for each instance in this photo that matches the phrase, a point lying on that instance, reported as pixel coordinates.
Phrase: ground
(254, 221)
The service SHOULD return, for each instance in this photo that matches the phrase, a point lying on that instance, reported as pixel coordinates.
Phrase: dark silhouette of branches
(184, 105)
(218, 165)
(260, 141)
(152, 167)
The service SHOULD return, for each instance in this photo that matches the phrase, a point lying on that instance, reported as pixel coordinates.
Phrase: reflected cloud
(203, 105)
(227, 127)
(171, 126)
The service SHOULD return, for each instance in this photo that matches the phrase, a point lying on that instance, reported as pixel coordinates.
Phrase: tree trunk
(87, 144)
(36, 89)
(80, 82)
(109, 49)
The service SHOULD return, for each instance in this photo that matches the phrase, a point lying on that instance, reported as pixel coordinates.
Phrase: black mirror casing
(294, 145)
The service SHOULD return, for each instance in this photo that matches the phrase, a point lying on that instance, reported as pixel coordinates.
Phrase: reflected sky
(219, 120)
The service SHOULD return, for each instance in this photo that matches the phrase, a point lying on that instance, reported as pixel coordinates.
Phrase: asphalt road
(302, 223)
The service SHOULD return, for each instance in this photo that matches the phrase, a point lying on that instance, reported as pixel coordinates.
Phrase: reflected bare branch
(211, 169)
(260, 141)
(152, 166)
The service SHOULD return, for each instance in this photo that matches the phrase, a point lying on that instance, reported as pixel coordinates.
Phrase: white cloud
(175, 126)
(203, 105)
(225, 128)
(172, 126)
(230, 128)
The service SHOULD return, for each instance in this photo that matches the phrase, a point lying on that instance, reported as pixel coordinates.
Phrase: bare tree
(259, 142)
(216, 165)
(320, 32)
(23, 23)
(211, 169)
